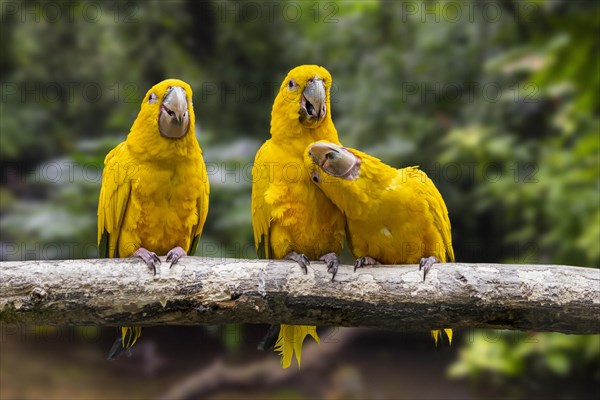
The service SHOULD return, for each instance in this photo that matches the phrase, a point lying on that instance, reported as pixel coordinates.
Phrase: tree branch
(114, 292)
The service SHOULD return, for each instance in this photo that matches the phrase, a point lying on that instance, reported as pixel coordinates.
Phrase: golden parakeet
(291, 217)
(393, 216)
(154, 195)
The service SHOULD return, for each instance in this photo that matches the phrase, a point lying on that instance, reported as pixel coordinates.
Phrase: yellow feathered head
(344, 174)
(337, 171)
(166, 120)
(168, 108)
(303, 102)
(331, 163)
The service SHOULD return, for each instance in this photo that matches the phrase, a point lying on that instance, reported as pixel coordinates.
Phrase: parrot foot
(362, 261)
(332, 263)
(301, 259)
(175, 254)
(149, 257)
(426, 264)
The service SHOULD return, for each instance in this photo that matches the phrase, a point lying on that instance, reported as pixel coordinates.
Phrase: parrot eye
(291, 84)
(152, 98)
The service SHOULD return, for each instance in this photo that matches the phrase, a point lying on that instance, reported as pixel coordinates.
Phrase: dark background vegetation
(498, 101)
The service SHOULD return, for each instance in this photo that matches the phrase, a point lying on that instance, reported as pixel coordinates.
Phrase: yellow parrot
(393, 216)
(291, 217)
(154, 195)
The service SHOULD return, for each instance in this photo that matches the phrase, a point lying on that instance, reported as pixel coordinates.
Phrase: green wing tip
(103, 246)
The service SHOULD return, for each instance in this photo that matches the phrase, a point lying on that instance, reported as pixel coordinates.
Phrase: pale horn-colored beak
(334, 160)
(176, 101)
(174, 117)
(313, 105)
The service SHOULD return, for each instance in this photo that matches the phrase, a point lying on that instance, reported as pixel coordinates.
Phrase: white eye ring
(152, 98)
(291, 84)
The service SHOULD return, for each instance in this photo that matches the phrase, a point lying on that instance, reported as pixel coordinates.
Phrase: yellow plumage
(155, 189)
(290, 342)
(395, 216)
(289, 213)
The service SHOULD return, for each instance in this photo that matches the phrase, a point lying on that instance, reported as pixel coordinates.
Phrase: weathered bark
(214, 291)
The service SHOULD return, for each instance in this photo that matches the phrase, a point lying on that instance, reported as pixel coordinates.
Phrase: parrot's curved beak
(174, 116)
(334, 160)
(313, 104)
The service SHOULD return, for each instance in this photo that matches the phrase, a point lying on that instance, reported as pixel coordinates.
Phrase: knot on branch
(38, 294)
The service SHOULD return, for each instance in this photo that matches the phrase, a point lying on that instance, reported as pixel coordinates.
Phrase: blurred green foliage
(515, 364)
(501, 109)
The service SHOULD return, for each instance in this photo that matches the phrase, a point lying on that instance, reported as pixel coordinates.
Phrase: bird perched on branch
(393, 216)
(292, 219)
(154, 195)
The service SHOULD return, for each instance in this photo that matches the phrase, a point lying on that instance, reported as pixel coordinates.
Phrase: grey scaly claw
(301, 259)
(426, 264)
(149, 257)
(362, 261)
(175, 254)
(333, 262)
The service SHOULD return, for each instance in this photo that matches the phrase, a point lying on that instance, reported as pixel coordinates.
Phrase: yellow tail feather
(129, 336)
(290, 342)
(449, 334)
(436, 333)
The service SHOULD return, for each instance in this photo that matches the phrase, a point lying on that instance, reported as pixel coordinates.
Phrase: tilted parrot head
(330, 162)
(348, 177)
(166, 119)
(303, 101)
(338, 172)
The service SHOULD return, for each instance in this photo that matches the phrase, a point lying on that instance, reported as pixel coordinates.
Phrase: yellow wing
(114, 196)
(438, 209)
(261, 209)
(118, 174)
(442, 222)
